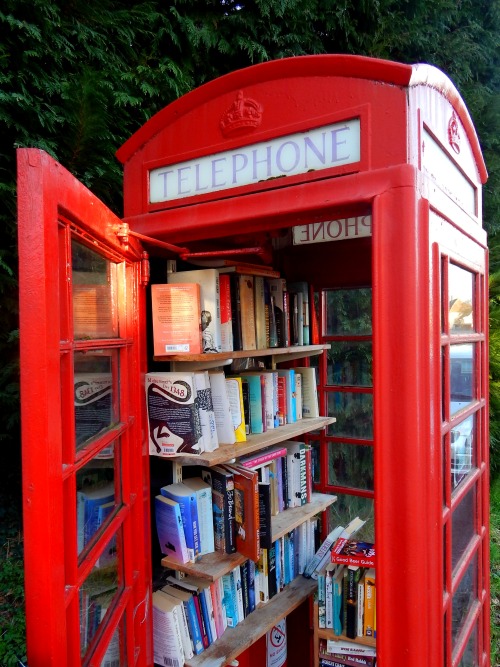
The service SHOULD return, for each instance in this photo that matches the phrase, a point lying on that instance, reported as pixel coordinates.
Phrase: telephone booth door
(87, 571)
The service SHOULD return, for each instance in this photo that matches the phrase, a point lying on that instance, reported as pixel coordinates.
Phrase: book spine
(260, 459)
(194, 627)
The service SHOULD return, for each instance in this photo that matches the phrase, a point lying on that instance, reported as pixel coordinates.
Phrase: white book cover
(167, 641)
(206, 410)
(346, 647)
(208, 280)
(222, 409)
(298, 395)
(180, 614)
(328, 598)
(211, 612)
(220, 584)
(239, 593)
(322, 555)
(203, 492)
(361, 607)
(310, 406)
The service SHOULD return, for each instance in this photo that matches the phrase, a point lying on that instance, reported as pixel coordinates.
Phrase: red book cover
(246, 506)
(176, 319)
(226, 319)
(262, 457)
(282, 411)
(354, 552)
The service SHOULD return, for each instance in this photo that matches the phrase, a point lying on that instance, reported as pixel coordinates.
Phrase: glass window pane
(460, 309)
(350, 364)
(93, 304)
(94, 393)
(95, 499)
(348, 312)
(462, 450)
(464, 597)
(96, 596)
(346, 508)
(469, 658)
(462, 526)
(350, 465)
(315, 461)
(461, 376)
(354, 414)
(112, 657)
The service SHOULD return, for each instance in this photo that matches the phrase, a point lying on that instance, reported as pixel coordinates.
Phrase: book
(239, 592)
(291, 401)
(206, 411)
(296, 469)
(262, 572)
(190, 584)
(170, 529)
(248, 268)
(277, 288)
(180, 612)
(222, 408)
(338, 601)
(261, 322)
(93, 404)
(257, 406)
(234, 283)
(322, 556)
(354, 552)
(350, 530)
(247, 312)
(361, 606)
(230, 599)
(222, 483)
(226, 317)
(246, 510)
(369, 603)
(209, 314)
(90, 500)
(176, 319)
(282, 402)
(300, 290)
(265, 529)
(173, 418)
(298, 395)
(167, 641)
(310, 405)
(215, 592)
(235, 394)
(203, 492)
(262, 457)
(354, 574)
(186, 498)
(271, 563)
(192, 619)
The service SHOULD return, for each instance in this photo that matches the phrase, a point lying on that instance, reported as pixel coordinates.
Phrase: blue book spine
(230, 602)
(194, 627)
(190, 523)
(206, 616)
(251, 585)
(255, 396)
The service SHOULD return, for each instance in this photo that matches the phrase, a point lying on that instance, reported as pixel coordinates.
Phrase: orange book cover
(176, 319)
(246, 501)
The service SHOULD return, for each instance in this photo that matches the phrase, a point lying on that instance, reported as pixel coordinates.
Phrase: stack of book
(240, 306)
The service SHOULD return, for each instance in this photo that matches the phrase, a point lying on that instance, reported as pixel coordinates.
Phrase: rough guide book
(354, 552)
(173, 418)
(176, 319)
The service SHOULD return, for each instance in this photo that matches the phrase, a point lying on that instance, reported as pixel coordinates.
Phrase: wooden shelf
(327, 633)
(235, 640)
(214, 565)
(225, 453)
(222, 358)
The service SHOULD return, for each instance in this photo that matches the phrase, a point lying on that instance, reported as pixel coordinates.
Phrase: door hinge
(145, 272)
(122, 231)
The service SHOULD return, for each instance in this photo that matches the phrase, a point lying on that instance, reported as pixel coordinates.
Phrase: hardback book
(173, 417)
(246, 510)
(230, 599)
(235, 395)
(222, 408)
(323, 555)
(187, 599)
(226, 317)
(354, 574)
(209, 314)
(222, 483)
(296, 466)
(298, 395)
(263, 456)
(170, 529)
(167, 641)
(206, 410)
(176, 319)
(277, 288)
(310, 406)
(300, 289)
(282, 402)
(291, 402)
(265, 529)
(369, 603)
(180, 613)
(355, 552)
(247, 312)
(349, 531)
(255, 384)
(203, 492)
(91, 499)
(186, 498)
(261, 325)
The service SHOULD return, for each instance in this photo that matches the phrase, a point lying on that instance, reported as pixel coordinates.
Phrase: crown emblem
(454, 133)
(243, 115)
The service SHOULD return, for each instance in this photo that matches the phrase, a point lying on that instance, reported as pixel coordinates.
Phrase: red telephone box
(362, 177)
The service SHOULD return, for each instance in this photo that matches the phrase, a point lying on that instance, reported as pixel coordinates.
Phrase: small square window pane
(95, 499)
(354, 414)
(463, 454)
(350, 465)
(112, 657)
(461, 376)
(346, 508)
(464, 597)
(348, 312)
(96, 596)
(350, 364)
(469, 657)
(462, 526)
(460, 307)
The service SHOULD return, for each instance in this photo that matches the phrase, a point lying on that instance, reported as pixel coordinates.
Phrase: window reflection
(95, 500)
(348, 312)
(461, 376)
(460, 307)
(462, 450)
(350, 465)
(354, 414)
(464, 597)
(462, 526)
(350, 364)
(96, 596)
(348, 507)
